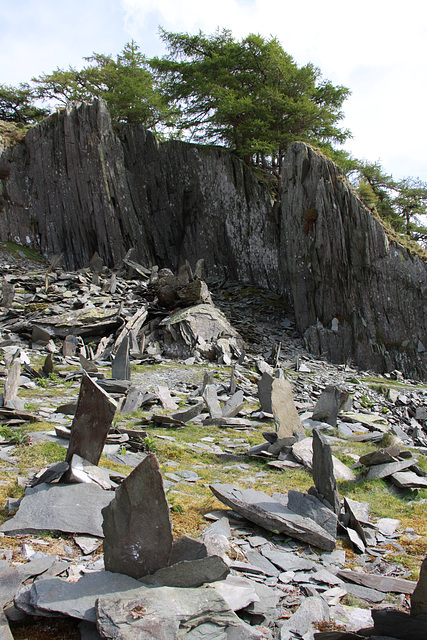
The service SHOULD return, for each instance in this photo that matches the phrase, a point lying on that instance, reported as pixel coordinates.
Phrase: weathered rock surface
(356, 295)
(137, 526)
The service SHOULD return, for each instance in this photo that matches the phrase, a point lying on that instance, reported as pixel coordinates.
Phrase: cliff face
(77, 187)
(355, 295)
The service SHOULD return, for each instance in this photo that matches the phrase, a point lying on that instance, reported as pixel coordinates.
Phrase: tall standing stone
(323, 471)
(137, 525)
(419, 597)
(121, 364)
(264, 392)
(329, 405)
(285, 414)
(11, 384)
(92, 421)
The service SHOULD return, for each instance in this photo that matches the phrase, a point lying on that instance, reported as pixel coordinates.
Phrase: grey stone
(189, 414)
(264, 391)
(52, 473)
(329, 405)
(5, 631)
(380, 456)
(88, 544)
(233, 405)
(55, 596)
(303, 452)
(189, 573)
(364, 593)
(285, 414)
(83, 471)
(258, 560)
(69, 346)
(323, 471)
(11, 385)
(287, 561)
(310, 507)
(408, 480)
(165, 398)
(238, 592)
(92, 421)
(70, 508)
(120, 369)
(133, 401)
(387, 526)
(311, 611)
(387, 469)
(187, 548)
(87, 365)
(88, 631)
(190, 614)
(137, 525)
(381, 583)
(260, 508)
(419, 596)
(212, 402)
(390, 622)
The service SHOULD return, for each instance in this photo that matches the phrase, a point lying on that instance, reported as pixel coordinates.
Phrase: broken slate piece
(260, 508)
(408, 480)
(393, 623)
(137, 525)
(329, 405)
(165, 398)
(76, 599)
(52, 473)
(381, 583)
(312, 610)
(83, 471)
(233, 405)
(323, 471)
(186, 548)
(189, 573)
(238, 592)
(212, 402)
(190, 614)
(189, 414)
(92, 421)
(285, 414)
(70, 508)
(310, 507)
(120, 369)
(383, 470)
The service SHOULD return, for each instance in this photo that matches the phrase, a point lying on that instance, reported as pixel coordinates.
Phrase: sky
(376, 48)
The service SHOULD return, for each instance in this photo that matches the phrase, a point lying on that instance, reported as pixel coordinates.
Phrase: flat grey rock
(137, 525)
(365, 593)
(287, 561)
(75, 599)
(408, 480)
(187, 548)
(187, 614)
(381, 583)
(189, 414)
(260, 508)
(70, 508)
(260, 561)
(310, 507)
(190, 573)
(389, 468)
(238, 592)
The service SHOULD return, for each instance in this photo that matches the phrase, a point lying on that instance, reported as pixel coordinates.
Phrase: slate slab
(55, 596)
(329, 405)
(283, 407)
(323, 471)
(260, 508)
(212, 401)
(190, 573)
(311, 611)
(137, 525)
(381, 583)
(120, 369)
(310, 507)
(187, 548)
(390, 622)
(70, 508)
(91, 423)
(173, 613)
(408, 480)
(238, 592)
(303, 452)
(189, 414)
(419, 596)
(233, 405)
(389, 468)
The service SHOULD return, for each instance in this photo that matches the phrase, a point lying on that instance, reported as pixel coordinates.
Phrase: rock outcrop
(76, 186)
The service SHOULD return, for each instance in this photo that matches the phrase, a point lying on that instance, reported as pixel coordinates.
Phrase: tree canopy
(17, 105)
(248, 95)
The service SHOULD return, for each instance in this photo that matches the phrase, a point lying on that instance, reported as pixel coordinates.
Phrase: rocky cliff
(76, 186)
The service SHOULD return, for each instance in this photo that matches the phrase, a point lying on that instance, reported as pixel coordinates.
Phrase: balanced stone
(285, 414)
(137, 525)
(92, 421)
(323, 471)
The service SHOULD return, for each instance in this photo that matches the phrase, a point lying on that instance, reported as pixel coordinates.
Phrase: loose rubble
(273, 565)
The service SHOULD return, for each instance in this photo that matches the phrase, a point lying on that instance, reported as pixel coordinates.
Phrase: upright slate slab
(323, 471)
(137, 525)
(120, 369)
(11, 385)
(92, 421)
(264, 391)
(329, 405)
(285, 414)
